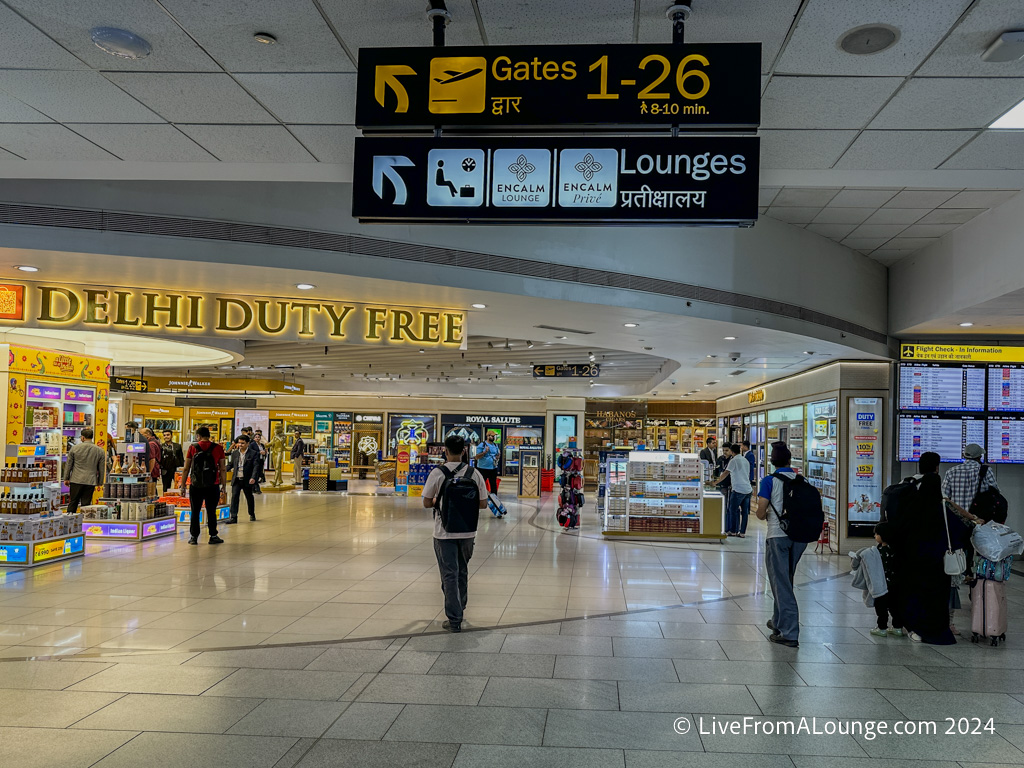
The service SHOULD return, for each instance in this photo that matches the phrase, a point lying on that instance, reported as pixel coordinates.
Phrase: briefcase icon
(467, 191)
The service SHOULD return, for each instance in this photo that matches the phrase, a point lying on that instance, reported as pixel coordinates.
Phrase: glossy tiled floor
(566, 692)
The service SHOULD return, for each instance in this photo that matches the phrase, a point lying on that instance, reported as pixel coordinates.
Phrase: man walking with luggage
(171, 458)
(206, 467)
(781, 553)
(86, 468)
(456, 493)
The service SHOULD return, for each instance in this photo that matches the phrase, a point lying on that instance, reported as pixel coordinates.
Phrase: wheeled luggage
(988, 611)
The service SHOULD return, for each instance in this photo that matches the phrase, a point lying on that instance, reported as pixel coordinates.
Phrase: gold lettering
(261, 316)
(431, 326)
(376, 320)
(337, 319)
(453, 327)
(46, 311)
(224, 306)
(305, 327)
(194, 305)
(171, 309)
(121, 313)
(93, 306)
(402, 319)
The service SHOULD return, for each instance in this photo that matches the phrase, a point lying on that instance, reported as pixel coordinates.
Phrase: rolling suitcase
(988, 611)
(497, 508)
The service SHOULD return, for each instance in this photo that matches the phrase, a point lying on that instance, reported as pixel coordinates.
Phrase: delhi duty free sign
(685, 180)
(705, 87)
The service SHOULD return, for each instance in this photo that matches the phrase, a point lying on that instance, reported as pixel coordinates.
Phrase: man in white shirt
(738, 472)
(453, 550)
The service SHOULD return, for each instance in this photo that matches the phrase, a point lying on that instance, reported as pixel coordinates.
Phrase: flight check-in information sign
(707, 86)
(686, 180)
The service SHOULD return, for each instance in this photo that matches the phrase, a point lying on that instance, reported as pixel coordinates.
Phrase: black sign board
(706, 86)
(571, 371)
(125, 384)
(686, 180)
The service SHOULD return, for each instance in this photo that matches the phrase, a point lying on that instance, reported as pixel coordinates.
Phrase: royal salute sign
(706, 87)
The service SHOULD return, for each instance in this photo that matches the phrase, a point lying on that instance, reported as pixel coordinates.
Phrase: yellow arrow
(387, 75)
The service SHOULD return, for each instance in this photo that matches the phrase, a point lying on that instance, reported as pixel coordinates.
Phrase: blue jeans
(739, 507)
(781, 557)
(453, 562)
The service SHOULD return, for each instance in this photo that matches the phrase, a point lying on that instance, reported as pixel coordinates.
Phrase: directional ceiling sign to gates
(712, 86)
(687, 180)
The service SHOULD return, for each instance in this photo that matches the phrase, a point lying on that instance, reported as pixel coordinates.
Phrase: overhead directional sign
(569, 371)
(686, 180)
(712, 86)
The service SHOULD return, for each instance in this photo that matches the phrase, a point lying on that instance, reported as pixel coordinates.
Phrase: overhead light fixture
(809, 352)
(479, 306)
(648, 348)
(27, 268)
(1012, 120)
(265, 37)
(422, 351)
(966, 325)
(561, 338)
(529, 344)
(631, 325)
(305, 286)
(120, 43)
(1009, 46)
(869, 39)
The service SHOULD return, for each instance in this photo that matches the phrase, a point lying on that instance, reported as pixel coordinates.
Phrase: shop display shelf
(28, 554)
(130, 530)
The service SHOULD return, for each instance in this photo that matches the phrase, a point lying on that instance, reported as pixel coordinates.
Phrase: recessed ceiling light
(809, 352)
(648, 348)
(729, 338)
(868, 39)
(631, 325)
(422, 351)
(966, 325)
(264, 37)
(305, 286)
(561, 338)
(1012, 120)
(479, 306)
(120, 43)
(27, 268)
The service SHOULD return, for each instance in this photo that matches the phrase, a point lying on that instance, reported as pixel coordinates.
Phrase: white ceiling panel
(921, 198)
(980, 198)
(950, 102)
(832, 215)
(595, 21)
(911, 243)
(156, 143)
(794, 215)
(831, 231)
(193, 97)
(960, 53)
(249, 143)
(991, 150)
(928, 230)
(878, 230)
(950, 215)
(14, 111)
(84, 97)
(70, 21)
(896, 216)
(305, 42)
(803, 149)
(765, 195)
(852, 197)
(813, 49)
(8, 156)
(309, 98)
(824, 102)
(736, 21)
(49, 142)
(809, 196)
(385, 23)
(328, 143)
(890, 256)
(24, 46)
(865, 244)
(902, 150)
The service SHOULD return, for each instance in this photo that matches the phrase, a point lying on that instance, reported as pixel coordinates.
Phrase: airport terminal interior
(691, 287)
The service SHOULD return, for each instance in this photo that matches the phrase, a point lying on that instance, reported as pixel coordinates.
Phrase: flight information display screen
(942, 387)
(1005, 440)
(945, 435)
(1006, 387)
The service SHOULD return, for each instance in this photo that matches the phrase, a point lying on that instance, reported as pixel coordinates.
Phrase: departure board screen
(945, 435)
(942, 387)
(1006, 388)
(1005, 440)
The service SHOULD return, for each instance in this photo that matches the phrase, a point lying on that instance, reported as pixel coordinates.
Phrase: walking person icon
(441, 181)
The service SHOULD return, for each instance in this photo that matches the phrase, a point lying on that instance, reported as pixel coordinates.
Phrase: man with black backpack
(792, 507)
(973, 484)
(456, 493)
(205, 468)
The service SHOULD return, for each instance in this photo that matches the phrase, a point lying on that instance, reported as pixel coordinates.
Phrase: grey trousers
(781, 557)
(453, 562)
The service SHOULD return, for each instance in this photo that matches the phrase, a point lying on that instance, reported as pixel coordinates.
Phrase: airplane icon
(454, 76)
(458, 84)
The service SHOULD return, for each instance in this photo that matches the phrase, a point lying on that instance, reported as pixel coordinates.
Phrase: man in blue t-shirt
(487, 462)
(781, 553)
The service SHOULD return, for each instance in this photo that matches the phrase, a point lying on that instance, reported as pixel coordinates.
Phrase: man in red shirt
(206, 468)
(154, 453)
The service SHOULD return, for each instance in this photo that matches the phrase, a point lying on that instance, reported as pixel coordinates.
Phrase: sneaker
(896, 632)
(915, 637)
(216, 540)
(449, 627)
(879, 632)
(742, 535)
(770, 624)
(192, 540)
(252, 518)
(780, 640)
(231, 521)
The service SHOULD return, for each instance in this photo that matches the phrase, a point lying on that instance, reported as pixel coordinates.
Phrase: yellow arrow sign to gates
(387, 75)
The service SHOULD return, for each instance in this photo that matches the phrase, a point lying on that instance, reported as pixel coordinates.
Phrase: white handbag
(954, 562)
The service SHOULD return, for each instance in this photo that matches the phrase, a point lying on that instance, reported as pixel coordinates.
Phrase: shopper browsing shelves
(738, 475)
(86, 468)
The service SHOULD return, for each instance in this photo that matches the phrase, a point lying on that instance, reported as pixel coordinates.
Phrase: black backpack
(802, 517)
(168, 457)
(458, 501)
(898, 500)
(203, 472)
(989, 504)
